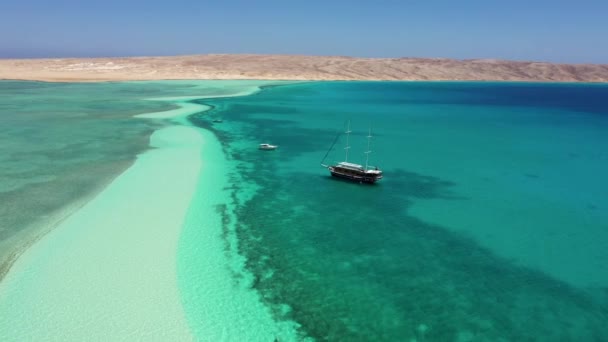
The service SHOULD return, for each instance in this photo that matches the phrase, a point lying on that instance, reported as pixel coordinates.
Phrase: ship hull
(354, 178)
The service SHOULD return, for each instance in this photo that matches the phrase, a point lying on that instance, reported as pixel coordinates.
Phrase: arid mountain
(286, 67)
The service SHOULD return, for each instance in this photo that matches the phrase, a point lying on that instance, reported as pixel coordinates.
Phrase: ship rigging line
(330, 148)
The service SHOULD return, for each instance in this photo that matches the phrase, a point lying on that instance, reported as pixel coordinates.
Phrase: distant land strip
(294, 67)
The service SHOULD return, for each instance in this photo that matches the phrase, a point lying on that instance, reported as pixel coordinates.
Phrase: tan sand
(286, 67)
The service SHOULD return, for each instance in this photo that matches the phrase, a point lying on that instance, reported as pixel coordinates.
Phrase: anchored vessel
(268, 147)
(355, 172)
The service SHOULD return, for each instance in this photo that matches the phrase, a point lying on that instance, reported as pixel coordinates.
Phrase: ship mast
(369, 139)
(347, 136)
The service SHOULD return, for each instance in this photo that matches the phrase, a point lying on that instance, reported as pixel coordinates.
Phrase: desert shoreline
(294, 68)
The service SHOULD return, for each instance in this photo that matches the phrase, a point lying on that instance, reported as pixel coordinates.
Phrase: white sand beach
(109, 271)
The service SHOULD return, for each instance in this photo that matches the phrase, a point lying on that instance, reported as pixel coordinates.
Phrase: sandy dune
(284, 67)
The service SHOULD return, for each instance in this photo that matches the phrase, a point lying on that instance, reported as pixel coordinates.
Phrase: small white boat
(268, 147)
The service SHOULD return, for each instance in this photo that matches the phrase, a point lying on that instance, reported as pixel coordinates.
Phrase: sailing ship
(354, 172)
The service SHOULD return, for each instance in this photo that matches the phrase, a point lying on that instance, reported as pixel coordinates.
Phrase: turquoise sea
(491, 222)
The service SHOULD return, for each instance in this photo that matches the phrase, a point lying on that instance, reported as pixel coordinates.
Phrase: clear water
(60, 143)
(490, 224)
(128, 263)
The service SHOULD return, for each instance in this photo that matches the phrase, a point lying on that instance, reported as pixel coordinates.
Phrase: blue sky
(558, 31)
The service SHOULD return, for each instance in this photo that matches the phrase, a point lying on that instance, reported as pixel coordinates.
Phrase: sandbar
(109, 271)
